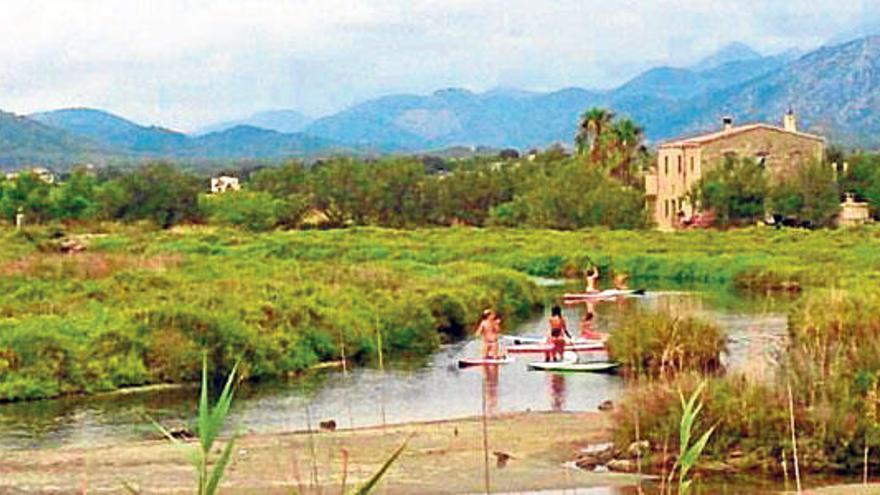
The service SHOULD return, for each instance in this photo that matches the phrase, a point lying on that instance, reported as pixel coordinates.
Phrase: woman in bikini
(556, 335)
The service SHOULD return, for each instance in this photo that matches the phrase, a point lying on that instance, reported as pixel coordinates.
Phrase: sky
(184, 64)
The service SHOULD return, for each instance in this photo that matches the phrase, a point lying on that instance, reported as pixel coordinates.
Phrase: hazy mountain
(286, 121)
(519, 119)
(458, 117)
(254, 142)
(112, 131)
(835, 91)
(95, 129)
(733, 52)
(26, 142)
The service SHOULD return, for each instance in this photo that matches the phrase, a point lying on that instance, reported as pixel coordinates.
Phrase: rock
(587, 462)
(181, 433)
(502, 458)
(641, 448)
(606, 405)
(602, 452)
(329, 425)
(622, 465)
(71, 246)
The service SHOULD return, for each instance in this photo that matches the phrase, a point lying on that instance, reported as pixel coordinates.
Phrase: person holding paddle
(557, 335)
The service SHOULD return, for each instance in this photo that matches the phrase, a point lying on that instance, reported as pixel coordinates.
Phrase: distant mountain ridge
(285, 121)
(835, 90)
(112, 131)
(98, 130)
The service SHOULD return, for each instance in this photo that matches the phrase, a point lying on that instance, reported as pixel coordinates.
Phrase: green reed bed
(140, 302)
(658, 344)
(832, 366)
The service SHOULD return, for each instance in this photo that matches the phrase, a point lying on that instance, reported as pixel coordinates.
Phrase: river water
(431, 389)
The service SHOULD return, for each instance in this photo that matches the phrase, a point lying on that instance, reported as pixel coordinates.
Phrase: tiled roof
(725, 133)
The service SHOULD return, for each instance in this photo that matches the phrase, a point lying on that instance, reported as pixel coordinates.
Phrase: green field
(140, 305)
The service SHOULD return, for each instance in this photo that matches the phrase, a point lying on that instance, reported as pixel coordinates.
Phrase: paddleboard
(540, 347)
(481, 361)
(605, 294)
(528, 339)
(572, 367)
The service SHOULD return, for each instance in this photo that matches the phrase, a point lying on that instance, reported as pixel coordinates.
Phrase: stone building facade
(682, 162)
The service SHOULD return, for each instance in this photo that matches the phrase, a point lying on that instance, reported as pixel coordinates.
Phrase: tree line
(599, 184)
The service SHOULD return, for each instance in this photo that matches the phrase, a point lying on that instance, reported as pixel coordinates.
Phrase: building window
(666, 165)
(679, 165)
(666, 208)
(692, 164)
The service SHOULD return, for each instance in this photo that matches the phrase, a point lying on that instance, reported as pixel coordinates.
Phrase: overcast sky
(186, 63)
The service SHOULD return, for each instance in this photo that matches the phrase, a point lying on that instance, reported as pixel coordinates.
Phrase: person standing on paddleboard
(592, 278)
(489, 328)
(556, 335)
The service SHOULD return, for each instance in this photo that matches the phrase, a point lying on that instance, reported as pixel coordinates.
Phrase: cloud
(185, 63)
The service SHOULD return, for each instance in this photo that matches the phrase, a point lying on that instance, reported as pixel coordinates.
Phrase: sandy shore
(442, 457)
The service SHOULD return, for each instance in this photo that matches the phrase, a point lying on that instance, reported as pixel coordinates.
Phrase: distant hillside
(285, 121)
(454, 116)
(112, 131)
(253, 142)
(520, 119)
(732, 52)
(84, 129)
(835, 91)
(27, 142)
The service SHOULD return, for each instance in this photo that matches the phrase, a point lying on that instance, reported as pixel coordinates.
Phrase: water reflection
(556, 386)
(490, 389)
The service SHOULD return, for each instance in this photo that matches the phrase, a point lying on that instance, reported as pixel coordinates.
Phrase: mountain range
(834, 89)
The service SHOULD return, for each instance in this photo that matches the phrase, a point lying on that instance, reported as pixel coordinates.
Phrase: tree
(628, 139)
(736, 191)
(863, 178)
(75, 198)
(29, 193)
(253, 210)
(593, 133)
(158, 192)
(811, 196)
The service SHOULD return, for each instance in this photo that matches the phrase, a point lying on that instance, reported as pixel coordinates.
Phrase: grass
(141, 305)
(658, 344)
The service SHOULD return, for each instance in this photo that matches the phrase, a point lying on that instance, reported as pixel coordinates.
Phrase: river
(434, 388)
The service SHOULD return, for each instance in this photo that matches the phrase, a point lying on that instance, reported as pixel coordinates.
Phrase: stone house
(682, 162)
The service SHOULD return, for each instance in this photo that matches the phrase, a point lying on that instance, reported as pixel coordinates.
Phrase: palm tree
(627, 140)
(592, 132)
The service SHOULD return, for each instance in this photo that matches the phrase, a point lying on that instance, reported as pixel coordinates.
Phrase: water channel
(434, 388)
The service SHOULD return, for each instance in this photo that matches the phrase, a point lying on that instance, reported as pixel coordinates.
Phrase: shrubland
(141, 303)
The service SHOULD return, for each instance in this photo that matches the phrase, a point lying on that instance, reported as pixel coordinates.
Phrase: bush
(659, 344)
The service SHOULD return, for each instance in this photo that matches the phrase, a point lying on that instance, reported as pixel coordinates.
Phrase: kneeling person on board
(556, 335)
(587, 331)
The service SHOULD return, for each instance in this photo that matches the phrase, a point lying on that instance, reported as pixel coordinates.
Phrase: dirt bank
(442, 457)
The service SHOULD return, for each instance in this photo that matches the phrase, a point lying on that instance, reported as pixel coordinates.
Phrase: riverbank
(441, 457)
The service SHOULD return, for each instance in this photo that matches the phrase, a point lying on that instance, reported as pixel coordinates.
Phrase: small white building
(852, 212)
(224, 183)
(44, 174)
